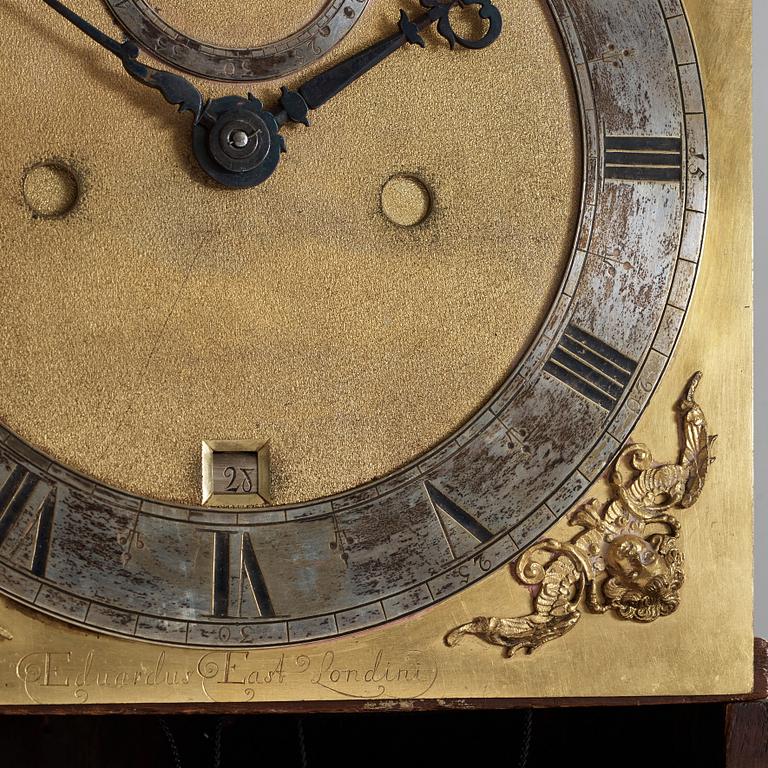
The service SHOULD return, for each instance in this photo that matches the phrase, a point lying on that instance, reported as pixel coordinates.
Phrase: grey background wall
(761, 315)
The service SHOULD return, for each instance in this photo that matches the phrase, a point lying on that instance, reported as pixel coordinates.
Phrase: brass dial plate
(704, 649)
(127, 565)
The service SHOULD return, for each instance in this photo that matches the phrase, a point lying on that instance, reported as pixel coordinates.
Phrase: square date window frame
(216, 497)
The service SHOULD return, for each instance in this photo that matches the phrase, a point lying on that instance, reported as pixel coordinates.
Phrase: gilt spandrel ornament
(626, 560)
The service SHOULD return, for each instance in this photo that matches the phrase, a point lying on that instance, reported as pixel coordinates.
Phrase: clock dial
(238, 44)
(522, 353)
(300, 312)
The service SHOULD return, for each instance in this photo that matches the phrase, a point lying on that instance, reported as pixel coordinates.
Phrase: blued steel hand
(317, 91)
(175, 89)
(236, 140)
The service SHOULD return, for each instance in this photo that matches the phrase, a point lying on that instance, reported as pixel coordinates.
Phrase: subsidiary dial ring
(277, 58)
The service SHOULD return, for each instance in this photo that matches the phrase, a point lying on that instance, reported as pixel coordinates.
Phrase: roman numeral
(638, 158)
(14, 497)
(591, 367)
(248, 572)
(455, 521)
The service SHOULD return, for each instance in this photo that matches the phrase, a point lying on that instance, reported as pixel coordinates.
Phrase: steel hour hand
(317, 91)
(238, 142)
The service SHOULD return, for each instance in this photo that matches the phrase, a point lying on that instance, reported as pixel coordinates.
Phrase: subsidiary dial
(277, 58)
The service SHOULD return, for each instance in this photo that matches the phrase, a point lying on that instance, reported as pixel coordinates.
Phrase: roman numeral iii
(638, 158)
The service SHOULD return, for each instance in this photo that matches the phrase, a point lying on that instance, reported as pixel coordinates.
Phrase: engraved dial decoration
(126, 565)
(145, 24)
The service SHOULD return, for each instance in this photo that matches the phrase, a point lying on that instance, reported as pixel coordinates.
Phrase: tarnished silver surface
(144, 23)
(192, 576)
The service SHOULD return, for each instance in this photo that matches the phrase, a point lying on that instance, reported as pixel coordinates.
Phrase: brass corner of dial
(627, 557)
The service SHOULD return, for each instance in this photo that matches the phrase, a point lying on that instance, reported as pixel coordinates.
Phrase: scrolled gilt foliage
(627, 557)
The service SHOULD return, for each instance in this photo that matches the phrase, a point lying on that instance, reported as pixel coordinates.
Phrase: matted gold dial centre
(164, 310)
(234, 25)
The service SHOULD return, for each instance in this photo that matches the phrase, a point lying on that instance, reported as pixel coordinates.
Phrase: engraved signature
(226, 675)
(375, 679)
(49, 676)
(234, 674)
